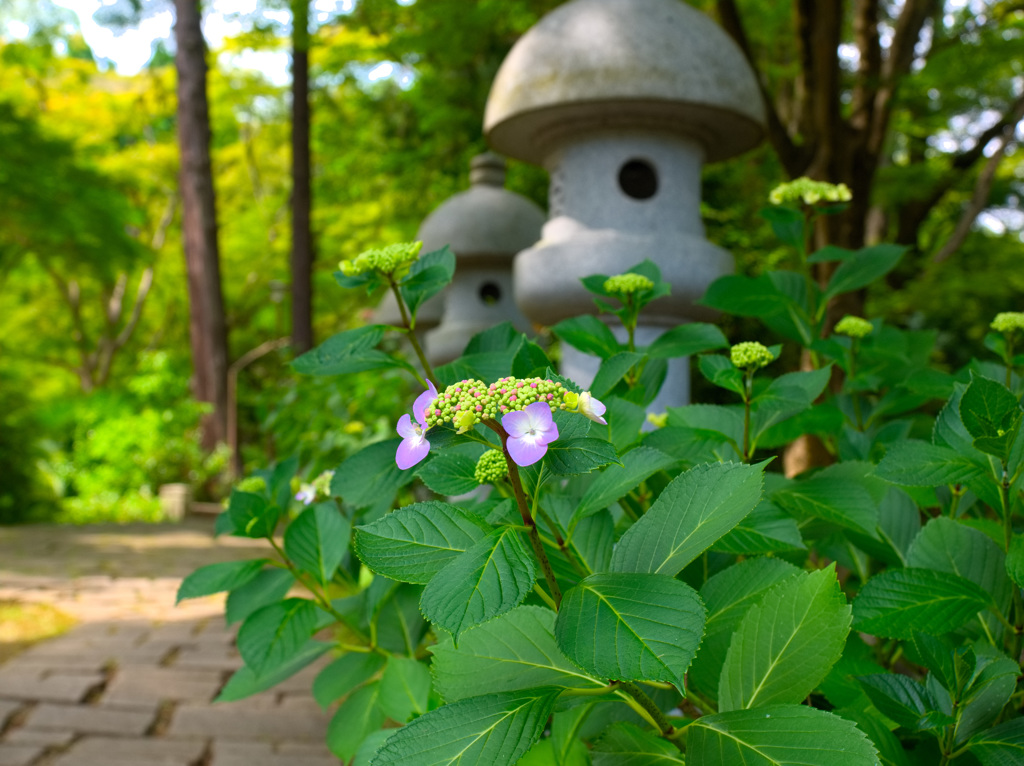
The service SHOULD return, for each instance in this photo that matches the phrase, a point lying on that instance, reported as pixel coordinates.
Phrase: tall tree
(302, 238)
(864, 66)
(207, 325)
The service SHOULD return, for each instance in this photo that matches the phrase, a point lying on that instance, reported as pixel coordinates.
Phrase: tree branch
(979, 200)
(791, 155)
(869, 67)
(896, 65)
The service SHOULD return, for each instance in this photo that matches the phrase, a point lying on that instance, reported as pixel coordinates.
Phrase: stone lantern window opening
(638, 178)
(490, 293)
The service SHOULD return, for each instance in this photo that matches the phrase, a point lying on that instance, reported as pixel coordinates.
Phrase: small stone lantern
(485, 226)
(622, 101)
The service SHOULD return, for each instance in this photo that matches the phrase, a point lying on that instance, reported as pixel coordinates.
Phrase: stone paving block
(91, 720)
(19, 755)
(46, 738)
(132, 684)
(111, 751)
(6, 708)
(46, 687)
(230, 722)
(220, 658)
(261, 754)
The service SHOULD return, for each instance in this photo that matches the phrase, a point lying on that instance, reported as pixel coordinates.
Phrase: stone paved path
(132, 684)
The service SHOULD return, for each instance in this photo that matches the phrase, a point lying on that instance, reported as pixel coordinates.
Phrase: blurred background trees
(916, 105)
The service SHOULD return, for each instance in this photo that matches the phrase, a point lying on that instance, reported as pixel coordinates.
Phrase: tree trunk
(207, 326)
(302, 240)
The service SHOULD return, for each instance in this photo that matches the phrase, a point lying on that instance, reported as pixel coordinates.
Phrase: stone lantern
(485, 226)
(622, 101)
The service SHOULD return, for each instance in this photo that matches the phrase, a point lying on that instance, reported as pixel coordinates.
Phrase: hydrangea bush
(569, 580)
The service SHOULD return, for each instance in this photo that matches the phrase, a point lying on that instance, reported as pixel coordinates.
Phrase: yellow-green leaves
(786, 644)
(631, 627)
(691, 513)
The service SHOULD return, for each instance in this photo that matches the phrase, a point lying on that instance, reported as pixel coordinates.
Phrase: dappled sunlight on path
(133, 683)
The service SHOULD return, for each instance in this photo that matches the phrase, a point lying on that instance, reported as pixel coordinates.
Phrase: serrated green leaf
(450, 473)
(251, 514)
(625, 419)
(745, 296)
(1015, 560)
(687, 340)
(274, 634)
(400, 625)
(347, 352)
(514, 651)
(725, 422)
(949, 546)
(354, 720)
(624, 744)
(429, 275)
(404, 688)
(897, 602)
(317, 540)
(490, 578)
(588, 334)
(786, 644)
(991, 415)
(1002, 745)
(833, 496)
(900, 698)
(988, 694)
(245, 682)
(691, 513)
(414, 543)
(268, 586)
(343, 675)
(633, 627)
(788, 225)
(890, 750)
(477, 731)
(728, 596)
(217, 578)
(720, 371)
(786, 396)
(766, 529)
(612, 370)
(863, 268)
(369, 475)
(784, 735)
(914, 463)
(637, 466)
(570, 457)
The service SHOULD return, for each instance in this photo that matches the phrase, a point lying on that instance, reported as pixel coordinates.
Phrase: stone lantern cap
(633, 64)
(486, 221)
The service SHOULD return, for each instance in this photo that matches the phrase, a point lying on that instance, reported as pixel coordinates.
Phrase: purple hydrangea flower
(414, 446)
(530, 431)
(306, 494)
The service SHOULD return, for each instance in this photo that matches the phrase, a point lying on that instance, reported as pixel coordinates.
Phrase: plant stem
(954, 503)
(524, 511)
(665, 727)
(1004, 500)
(318, 596)
(699, 702)
(1009, 361)
(748, 389)
(407, 323)
(545, 597)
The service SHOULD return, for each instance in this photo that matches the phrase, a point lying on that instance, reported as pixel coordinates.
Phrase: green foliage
(568, 607)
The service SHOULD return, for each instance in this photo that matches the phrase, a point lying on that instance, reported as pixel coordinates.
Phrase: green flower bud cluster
(253, 484)
(750, 355)
(391, 261)
(491, 467)
(468, 402)
(1008, 321)
(322, 483)
(810, 192)
(853, 326)
(627, 284)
